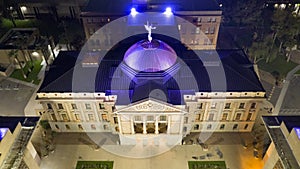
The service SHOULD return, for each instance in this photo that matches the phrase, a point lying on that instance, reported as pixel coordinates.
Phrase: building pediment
(150, 105)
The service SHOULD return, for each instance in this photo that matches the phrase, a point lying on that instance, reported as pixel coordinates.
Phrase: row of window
(197, 30)
(74, 106)
(93, 127)
(227, 106)
(197, 41)
(97, 20)
(210, 19)
(77, 117)
(222, 127)
(224, 117)
(150, 118)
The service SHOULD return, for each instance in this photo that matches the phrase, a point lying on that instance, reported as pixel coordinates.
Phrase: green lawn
(207, 165)
(279, 64)
(32, 76)
(94, 165)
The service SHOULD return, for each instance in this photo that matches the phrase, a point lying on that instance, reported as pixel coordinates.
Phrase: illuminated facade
(151, 87)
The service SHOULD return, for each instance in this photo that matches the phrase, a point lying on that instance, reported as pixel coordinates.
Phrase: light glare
(133, 11)
(168, 11)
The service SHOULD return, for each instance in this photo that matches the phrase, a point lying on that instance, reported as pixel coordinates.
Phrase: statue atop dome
(149, 29)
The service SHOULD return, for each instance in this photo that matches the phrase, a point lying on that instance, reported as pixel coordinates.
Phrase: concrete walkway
(284, 89)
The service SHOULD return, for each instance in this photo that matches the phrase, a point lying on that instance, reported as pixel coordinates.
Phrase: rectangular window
(186, 120)
(91, 117)
(199, 19)
(249, 116)
(74, 106)
(213, 19)
(207, 31)
(208, 19)
(137, 118)
(101, 106)
(198, 117)
(238, 116)
(253, 106)
(197, 30)
(225, 115)
(222, 126)
(213, 105)
(116, 120)
(77, 117)
(53, 117)
(211, 117)
(235, 126)
(227, 105)
(162, 118)
(104, 117)
(64, 117)
(88, 106)
(242, 106)
(60, 106)
(209, 127)
(246, 127)
(150, 118)
(49, 106)
(212, 30)
(205, 41)
(199, 106)
(179, 27)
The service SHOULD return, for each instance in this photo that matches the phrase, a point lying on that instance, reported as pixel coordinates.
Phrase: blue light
(298, 132)
(133, 11)
(168, 11)
(3, 132)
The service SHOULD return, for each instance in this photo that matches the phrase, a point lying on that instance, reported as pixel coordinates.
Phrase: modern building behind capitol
(204, 15)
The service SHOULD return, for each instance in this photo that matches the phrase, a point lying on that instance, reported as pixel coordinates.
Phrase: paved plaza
(236, 157)
(15, 95)
(292, 98)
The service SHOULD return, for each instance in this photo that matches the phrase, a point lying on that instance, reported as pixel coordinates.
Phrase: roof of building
(150, 56)
(289, 121)
(111, 79)
(11, 122)
(21, 37)
(124, 6)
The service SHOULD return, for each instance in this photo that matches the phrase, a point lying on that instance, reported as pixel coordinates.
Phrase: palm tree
(22, 44)
(14, 54)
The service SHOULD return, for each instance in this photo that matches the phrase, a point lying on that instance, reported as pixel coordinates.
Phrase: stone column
(169, 125)
(132, 126)
(181, 123)
(119, 124)
(156, 126)
(144, 127)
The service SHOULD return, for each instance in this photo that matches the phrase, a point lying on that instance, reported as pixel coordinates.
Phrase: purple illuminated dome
(150, 56)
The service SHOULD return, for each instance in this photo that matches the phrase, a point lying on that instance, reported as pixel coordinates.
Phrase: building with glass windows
(16, 148)
(284, 151)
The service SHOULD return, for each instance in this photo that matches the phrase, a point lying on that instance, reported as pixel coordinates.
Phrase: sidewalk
(284, 89)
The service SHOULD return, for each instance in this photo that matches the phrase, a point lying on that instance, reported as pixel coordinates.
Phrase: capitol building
(144, 87)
